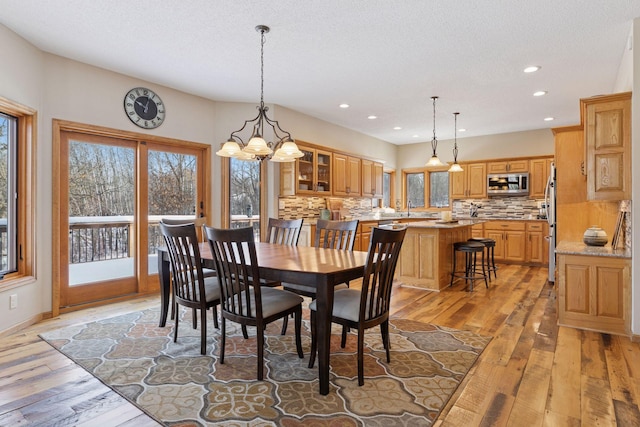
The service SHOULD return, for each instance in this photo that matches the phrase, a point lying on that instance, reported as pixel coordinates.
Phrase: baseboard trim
(25, 324)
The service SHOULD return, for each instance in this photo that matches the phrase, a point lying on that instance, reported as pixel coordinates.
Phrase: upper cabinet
(511, 166)
(346, 175)
(372, 173)
(607, 127)
(470, 183)
(313, 172)
(539, 170)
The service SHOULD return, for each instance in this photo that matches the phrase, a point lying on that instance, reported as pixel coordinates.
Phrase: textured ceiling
(384, 58)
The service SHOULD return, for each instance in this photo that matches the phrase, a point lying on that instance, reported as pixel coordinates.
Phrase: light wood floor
(532, 373)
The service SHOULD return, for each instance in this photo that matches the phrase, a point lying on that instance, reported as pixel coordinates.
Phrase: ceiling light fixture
(372, 117)
(548, 119)
(531, 69)
(540, 93)
(434, 160)
(344, 105)
(257, 148)
(455, 167)
(397, 128)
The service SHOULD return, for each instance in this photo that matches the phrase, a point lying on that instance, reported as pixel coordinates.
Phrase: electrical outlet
(13, 301)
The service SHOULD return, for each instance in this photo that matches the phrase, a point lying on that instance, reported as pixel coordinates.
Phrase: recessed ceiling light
(372, 117)
(344, 105)
(540, 93)
(397, 128)
(548, 119)
(462, 130)
(532, 69)
(415, 136)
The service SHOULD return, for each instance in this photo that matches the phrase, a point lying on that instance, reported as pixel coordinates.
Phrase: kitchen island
(426, 257)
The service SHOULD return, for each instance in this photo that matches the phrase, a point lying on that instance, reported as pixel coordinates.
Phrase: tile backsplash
(309, 207)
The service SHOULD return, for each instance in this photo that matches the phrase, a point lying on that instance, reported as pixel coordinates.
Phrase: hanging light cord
(434, 141)
(262, 42)
(455, 137)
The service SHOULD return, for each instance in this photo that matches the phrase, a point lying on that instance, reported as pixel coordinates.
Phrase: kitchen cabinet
(593, 293)
(470, 183)
(537, 246)
(477, 230)
(309, 175)
(607, 127)
(511, 166)
(538, 173)
(365, 235)
(510, 237)
(346, 175)
(372, 173)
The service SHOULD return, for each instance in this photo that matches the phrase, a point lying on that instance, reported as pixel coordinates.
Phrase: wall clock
(144, 108)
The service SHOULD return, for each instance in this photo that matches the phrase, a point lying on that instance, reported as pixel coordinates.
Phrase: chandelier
(434, 160)
(257, 148)
(455, 167)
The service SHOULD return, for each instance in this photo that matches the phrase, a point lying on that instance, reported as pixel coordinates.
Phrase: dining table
(318, 267)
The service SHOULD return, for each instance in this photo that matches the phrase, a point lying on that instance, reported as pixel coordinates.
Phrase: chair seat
(211, 289)
(346, 304)
(274, 301)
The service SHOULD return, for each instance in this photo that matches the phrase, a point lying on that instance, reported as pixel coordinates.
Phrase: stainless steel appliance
(550, 208)
(515, 184)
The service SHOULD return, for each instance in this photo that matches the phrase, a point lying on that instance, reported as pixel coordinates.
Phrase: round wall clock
(144, 108)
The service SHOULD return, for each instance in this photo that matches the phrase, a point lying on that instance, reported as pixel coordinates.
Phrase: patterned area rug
(176, 385)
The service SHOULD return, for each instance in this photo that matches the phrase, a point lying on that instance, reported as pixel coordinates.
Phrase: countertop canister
(595, 236)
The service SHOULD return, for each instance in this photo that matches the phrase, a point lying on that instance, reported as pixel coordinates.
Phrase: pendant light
(434, 160)
(257, 148)
(455, 167)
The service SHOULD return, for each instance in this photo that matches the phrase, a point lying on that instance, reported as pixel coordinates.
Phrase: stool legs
(470, 268)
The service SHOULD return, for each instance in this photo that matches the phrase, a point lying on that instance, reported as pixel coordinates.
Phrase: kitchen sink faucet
(408, 207)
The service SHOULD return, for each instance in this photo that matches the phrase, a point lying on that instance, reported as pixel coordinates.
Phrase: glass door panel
(244, 203)
(172, 193)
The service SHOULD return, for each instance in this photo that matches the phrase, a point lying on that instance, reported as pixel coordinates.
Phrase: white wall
(515, 144)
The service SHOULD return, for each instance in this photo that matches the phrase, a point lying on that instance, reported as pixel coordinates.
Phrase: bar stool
(470, 272)
(489, 244)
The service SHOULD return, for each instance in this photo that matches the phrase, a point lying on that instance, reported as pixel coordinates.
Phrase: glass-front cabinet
(313, 172)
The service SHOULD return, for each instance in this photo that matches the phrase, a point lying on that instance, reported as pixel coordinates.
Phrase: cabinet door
(476, 180)
(518, 166)
(497, 167)
(353, 176)
(323, 172)
(306, 171)
(538, 174)
(378, 179)
(608, 140)
(498, 236)
(340, 166)
(458, 184)
(367, 178)
(514, 246)
(535, 245)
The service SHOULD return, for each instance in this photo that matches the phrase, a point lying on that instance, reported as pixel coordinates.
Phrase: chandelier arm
(246, 122)
(276, 127)
(434, 141)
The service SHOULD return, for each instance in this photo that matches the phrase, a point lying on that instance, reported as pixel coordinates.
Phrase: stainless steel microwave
(512, 184)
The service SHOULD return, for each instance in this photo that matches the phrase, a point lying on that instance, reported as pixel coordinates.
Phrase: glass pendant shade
(455, 167)
(229, 149)
(258, 146)
(434, 161)
(291, 149)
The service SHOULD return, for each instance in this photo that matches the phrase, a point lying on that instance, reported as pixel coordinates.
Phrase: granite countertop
(423, 218)
(579, 248)
(444, 224)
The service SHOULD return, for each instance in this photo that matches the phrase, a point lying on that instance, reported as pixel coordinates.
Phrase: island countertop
(444, 224)
(579, 248)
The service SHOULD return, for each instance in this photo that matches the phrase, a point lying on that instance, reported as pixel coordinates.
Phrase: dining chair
(190, 286)
(369, 306)
(244, 301)
(198, 222)
(284, 231)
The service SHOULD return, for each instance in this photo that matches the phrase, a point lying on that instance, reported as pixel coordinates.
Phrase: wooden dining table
(317, 267)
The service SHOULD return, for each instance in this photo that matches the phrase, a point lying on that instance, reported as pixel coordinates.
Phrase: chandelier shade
(257, 148)
(455, 166)
(434, 160)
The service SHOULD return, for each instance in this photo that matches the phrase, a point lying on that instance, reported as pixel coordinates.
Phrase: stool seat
(470, 272)
(490, 244)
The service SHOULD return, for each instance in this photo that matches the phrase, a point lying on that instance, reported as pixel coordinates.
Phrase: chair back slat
(236, 261)
(284, 231)
(184, 257)
(336, 234)
(382, 259)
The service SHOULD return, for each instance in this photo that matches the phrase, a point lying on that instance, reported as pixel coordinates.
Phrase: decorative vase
(595, 236)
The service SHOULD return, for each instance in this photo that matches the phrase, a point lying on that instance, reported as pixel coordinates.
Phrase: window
(386, 189)
(422, 185)
(244, 192)
(17, 193)
(8, 179)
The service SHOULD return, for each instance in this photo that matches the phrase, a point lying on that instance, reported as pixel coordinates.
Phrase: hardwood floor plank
(532, 393)
(622, 389)
(596, 402)
(564, 390)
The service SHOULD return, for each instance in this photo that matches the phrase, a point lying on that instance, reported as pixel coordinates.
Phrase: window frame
(427, 187)
(26, 194)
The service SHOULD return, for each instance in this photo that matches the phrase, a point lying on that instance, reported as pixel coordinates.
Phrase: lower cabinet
(593, 293)
(537, 245)
(510, 239)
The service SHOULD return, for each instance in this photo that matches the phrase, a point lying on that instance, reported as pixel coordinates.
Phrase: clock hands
(146, 106)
